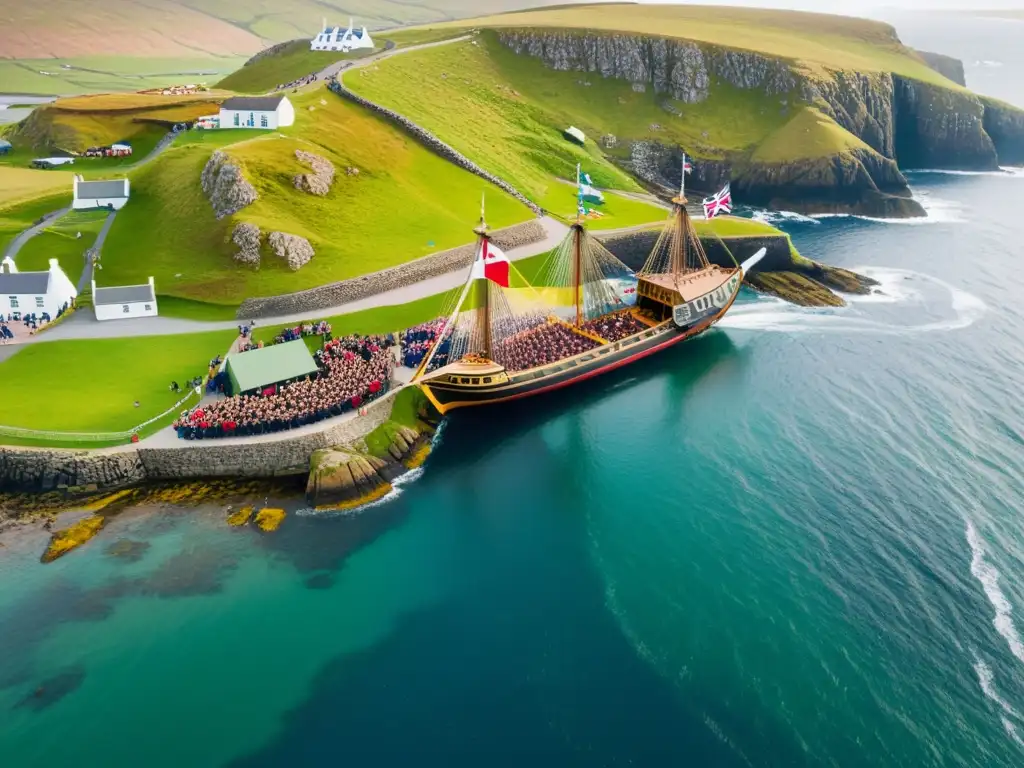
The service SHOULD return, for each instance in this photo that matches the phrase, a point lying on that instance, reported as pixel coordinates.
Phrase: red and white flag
(716, 204)
(491, 264)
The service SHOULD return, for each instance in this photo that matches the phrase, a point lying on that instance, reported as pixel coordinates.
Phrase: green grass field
(94, 74)
(16, 218)
(62, 385)
(291, 63)
(815, 41)
(404, 203)
(617, 211)
(59, 241)
(809, 134)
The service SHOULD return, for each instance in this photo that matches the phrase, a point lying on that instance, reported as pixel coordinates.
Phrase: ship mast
(577, 260)
(483, 234)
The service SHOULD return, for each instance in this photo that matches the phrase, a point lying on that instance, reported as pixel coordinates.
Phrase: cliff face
(1005, 124)
(947, 66)
(908, 124)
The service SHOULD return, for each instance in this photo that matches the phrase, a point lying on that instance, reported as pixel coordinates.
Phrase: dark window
(488, 380)
(125, 309)
(263, 121)
(149, 307)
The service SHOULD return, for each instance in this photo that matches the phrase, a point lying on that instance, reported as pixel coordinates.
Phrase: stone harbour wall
(334, 294)
(37, 470)
(431, 141)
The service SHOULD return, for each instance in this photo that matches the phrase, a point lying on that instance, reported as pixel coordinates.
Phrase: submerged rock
(240, 517)
(127, 550)
(52, 690)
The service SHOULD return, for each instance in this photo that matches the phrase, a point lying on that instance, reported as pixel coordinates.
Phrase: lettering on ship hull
(703, 307)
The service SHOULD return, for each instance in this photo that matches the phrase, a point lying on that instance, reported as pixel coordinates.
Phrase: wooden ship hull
(470, 383)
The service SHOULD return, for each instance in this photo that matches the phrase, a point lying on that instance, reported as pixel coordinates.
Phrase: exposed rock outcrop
(318, 181)
(295, 250)
(912, 123)
(343, 477)
(946, 66)
(225, 186)
(247, 237)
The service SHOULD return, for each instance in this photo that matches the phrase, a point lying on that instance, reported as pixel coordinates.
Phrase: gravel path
(32, 231)
(83, 281)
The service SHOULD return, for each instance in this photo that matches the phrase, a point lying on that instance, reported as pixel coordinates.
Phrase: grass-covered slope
(405, 202)
(282, 64)
(60, 241)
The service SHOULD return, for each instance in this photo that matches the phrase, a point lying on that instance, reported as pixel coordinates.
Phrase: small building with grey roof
(112, 193)
(269, 112)
(34, 293)
(124, 302)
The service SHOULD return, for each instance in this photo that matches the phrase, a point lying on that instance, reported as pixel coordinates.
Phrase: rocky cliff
(904, 123)
(947, 66)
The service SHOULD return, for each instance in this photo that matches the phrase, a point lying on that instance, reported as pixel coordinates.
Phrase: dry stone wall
(332, 295)
(39, 470)
(431, 142)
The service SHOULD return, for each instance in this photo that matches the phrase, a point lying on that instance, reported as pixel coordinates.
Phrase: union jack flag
(687, 168)
(716, 204)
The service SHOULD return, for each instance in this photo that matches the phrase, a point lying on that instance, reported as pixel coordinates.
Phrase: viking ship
(585, 313)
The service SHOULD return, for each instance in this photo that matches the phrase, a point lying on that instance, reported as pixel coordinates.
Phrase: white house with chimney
(270, 112)
(99, 194)
(34, 293)
(338, 39)
(124, 302)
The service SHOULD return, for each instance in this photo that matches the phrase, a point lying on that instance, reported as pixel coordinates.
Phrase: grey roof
(253, 103)
(123, 294)
(24, 283)
(94, 190)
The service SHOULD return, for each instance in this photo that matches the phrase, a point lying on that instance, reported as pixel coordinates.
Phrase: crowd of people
(299, 83)
(417, 341)
(544, 344)
(614, 327)
(351, 371)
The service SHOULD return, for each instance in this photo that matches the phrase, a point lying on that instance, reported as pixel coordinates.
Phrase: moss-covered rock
(345, 476)
(72, 537)
(269, 519)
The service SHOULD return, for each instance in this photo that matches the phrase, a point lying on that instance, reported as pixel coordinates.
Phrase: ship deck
(691, 285)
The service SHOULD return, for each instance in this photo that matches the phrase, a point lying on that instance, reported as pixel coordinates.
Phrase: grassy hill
(292, 61)
(77, 123)
(405, 202)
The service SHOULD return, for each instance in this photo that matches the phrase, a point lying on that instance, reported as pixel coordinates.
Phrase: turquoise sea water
(793, 542)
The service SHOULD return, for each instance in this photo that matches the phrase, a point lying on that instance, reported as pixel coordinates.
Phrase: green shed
(276, 364)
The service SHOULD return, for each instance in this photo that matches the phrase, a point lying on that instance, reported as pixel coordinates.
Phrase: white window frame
(14, 302)
(40, 302)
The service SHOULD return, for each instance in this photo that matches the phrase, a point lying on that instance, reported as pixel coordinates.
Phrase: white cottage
(28, 293)
(122, 302)
(257, 112)
(338, 39)
(100, 194)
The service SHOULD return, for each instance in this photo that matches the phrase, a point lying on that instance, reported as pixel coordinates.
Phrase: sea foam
(985, 680)
(988, 576)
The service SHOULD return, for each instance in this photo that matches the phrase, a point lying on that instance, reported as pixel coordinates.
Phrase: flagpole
(579, 194)
(682, 179)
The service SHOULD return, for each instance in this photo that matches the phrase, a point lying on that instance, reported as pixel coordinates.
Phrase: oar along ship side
(586, 314)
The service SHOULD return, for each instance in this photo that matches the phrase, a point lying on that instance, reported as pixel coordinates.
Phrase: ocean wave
(1003, 172)
(985, 680)
(780, 217)
(988, 576)
(897, 286)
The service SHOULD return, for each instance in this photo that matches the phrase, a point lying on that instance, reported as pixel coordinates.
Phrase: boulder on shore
(343, 478)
